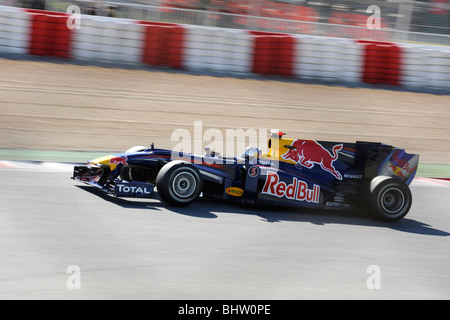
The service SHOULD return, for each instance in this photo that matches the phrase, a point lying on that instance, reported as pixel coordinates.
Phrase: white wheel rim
(184, 184)
(393, 200)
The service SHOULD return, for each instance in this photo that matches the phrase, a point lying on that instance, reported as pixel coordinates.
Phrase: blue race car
(294, 172)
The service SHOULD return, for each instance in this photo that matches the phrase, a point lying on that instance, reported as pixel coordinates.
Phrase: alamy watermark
(374, 280)
(73, 282)
(215, 146)
(74, 18)
(374, 21)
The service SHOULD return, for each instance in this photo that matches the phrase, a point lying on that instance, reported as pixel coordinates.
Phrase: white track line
(430, 182)
(36, 166)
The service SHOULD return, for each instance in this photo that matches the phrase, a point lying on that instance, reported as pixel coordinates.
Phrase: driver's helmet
(252, 154)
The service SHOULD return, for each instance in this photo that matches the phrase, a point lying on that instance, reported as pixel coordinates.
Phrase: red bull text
(307, 153)
(297, 190)
(400, 162)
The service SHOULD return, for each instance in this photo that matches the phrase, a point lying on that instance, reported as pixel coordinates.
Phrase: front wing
(97, 176)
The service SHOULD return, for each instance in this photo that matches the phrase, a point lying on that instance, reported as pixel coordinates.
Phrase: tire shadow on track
(210, 208)
(154, 203)
(348, 217)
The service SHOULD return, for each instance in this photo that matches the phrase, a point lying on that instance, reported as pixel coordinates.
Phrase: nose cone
(112, 161)
(102, 160)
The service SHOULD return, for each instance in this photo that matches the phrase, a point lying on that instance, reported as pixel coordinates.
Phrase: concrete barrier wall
(49, 35)
(426, 66)
(15, 26)
(219, 50)
(108, 39)
(329, 59)
(228, 51)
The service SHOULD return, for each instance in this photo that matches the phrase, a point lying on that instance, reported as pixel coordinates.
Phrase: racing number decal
(253, 171)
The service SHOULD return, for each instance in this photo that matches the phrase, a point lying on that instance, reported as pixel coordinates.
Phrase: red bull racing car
(294, 172)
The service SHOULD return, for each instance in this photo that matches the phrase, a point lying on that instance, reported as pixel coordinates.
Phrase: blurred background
(55, 110)
(401, 20)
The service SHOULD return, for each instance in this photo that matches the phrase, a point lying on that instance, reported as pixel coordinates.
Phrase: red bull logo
(397, 171)
(307, 153)
(400, 160)
(118, 160)
(402, 164)
(297, 190)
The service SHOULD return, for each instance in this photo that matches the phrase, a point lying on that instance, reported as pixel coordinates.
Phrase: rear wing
(396, 163)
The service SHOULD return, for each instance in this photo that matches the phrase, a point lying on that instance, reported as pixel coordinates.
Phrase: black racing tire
(179, 183)
(389, 199)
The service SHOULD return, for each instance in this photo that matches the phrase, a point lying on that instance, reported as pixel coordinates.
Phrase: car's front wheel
(389, 199)
(179, 183)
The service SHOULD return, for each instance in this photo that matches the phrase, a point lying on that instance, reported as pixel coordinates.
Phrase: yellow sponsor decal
(234, 191)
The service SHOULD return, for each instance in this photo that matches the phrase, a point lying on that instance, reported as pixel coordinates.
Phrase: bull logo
(118, 160)
(307, 153)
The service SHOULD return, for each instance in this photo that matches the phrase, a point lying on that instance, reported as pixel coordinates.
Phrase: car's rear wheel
(179, 183)
(390, 199)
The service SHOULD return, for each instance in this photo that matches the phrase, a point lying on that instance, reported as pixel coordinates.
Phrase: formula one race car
(294, 172)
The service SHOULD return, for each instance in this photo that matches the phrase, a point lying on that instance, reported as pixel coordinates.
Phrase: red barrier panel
(163, 44)
(273, 53)
(50, 35)
(286, 56)
(382, 62)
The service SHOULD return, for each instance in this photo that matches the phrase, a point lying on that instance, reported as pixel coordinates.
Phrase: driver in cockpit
(251, 154)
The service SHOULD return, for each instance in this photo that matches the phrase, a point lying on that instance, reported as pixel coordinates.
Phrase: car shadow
(210, 208)
(154, 203)
(348, 217)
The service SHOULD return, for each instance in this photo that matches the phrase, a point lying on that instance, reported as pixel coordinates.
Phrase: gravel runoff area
(59, 106)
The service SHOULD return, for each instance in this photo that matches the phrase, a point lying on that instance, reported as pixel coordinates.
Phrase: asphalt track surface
(142, 249)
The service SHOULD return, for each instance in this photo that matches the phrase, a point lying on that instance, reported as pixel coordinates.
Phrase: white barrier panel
(217, 49)
(426, 66)
(108, 39)
(331, 59)
(14, 30)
